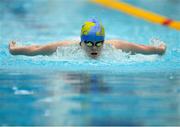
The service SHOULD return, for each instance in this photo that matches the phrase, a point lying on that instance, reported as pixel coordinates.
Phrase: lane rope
(138, 12)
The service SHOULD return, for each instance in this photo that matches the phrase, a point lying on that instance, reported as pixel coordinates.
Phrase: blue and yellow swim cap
(92, 30)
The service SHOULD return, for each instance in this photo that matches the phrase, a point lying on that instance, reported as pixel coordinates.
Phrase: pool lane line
(138, 12)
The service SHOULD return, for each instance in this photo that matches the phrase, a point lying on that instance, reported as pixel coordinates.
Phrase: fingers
(163, 46)
(12, 44)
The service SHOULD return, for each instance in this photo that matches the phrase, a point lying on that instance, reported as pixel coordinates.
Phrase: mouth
(94, 54)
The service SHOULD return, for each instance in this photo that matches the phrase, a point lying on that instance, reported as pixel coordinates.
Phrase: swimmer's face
(93, 49)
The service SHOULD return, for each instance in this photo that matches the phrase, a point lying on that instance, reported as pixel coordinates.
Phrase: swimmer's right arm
(33, 50)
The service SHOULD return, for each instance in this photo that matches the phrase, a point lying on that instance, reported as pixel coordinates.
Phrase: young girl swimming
(92, 41)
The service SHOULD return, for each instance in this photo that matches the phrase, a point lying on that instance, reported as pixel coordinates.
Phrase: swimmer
(92, 41)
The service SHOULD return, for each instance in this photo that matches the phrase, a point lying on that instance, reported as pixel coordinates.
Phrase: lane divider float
(140, 13)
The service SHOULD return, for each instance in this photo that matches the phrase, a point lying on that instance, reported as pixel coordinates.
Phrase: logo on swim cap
(92, 30)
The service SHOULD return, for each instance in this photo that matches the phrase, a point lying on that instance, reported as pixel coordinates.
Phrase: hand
(162, 49)
(12, 46)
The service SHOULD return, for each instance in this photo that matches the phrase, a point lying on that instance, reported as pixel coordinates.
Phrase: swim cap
(92, 30)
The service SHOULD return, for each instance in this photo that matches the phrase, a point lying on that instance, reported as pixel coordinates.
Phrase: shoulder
(118, 43)
(112, 41)
(115, 43)
(67, 42)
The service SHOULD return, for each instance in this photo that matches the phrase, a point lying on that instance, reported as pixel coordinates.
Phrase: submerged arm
(139, 48)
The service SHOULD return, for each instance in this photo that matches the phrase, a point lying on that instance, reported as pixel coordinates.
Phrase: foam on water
(109, 54)
(156, 42)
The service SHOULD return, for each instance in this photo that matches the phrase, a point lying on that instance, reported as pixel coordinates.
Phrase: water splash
(109, 54)
(156, 42)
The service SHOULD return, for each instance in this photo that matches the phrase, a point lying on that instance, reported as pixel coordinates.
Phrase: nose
(94, 47)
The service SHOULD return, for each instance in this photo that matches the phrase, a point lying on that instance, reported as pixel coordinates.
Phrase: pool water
(67, 88)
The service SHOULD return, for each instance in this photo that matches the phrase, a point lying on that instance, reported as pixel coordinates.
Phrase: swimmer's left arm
(138, 48)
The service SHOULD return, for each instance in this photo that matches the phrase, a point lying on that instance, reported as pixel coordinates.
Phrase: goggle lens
(98, 44)
(90, 43)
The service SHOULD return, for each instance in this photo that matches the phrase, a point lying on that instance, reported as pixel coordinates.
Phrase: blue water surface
(68, 88)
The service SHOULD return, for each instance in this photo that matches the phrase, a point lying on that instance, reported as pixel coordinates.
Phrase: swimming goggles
(97, 44)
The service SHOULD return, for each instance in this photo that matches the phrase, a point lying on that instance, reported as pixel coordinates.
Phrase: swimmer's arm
(33, 50)
(139, 48)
